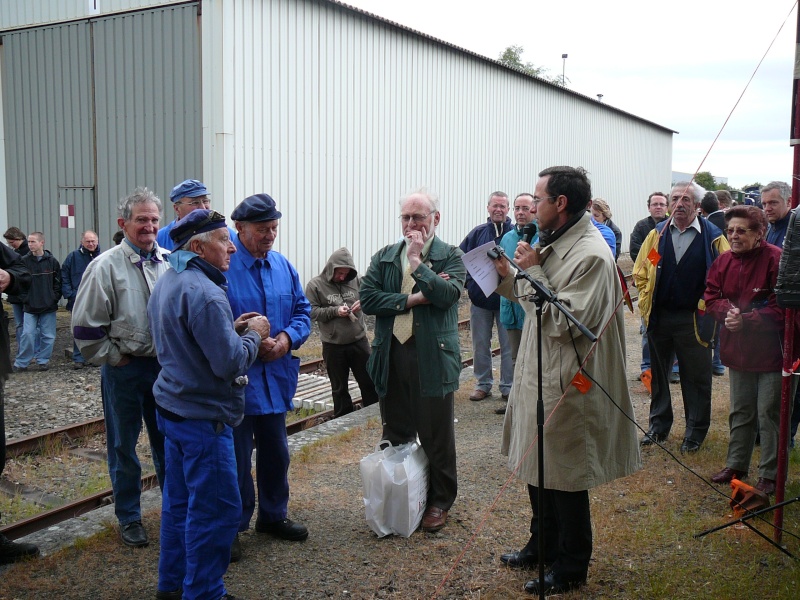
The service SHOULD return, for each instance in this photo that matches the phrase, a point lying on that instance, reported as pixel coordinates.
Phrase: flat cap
(191, 188)
(197, 221)
(255, 209)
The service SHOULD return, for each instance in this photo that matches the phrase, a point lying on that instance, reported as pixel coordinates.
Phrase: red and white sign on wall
(66, 213)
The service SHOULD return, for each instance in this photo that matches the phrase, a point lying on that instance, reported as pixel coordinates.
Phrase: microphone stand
(541, 295)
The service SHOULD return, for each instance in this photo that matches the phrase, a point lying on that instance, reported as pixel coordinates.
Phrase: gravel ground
(40, 400)
(342, 558)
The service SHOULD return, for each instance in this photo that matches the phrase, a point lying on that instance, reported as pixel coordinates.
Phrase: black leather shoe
(11, 552)
(236, 550)
(689, 446)
(553, 584)
(652, 437)
(285, 529)
(173, 595)
(133, 535)
(523, 559)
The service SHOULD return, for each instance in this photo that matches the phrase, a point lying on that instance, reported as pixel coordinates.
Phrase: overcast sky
(681, 64)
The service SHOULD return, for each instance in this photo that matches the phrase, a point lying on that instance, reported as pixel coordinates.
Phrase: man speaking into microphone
(589, 433)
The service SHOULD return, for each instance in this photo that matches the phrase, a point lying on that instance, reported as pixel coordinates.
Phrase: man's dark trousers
(567, 526)
(340, 359)
(411, 414)
(674, 331)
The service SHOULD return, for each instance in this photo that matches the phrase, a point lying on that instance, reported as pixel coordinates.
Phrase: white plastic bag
(395, 482)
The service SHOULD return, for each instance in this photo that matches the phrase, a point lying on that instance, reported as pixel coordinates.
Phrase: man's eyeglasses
(197, 203)
(537, 200)
(416, 218)
(737, 230)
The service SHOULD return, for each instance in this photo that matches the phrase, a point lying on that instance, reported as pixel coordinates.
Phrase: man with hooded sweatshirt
(335, 307)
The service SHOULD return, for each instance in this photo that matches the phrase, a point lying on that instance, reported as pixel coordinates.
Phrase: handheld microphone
(529, 232)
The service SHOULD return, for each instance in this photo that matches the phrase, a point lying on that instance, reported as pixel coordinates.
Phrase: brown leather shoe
(479, 395)
(434, 519)
(727, 474)
(765, 485)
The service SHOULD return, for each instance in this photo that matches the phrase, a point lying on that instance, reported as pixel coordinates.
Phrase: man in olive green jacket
(413, 288)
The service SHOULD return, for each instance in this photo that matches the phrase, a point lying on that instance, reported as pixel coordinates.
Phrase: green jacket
(435, 324)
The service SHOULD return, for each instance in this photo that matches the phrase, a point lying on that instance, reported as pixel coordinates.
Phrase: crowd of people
(193, 325)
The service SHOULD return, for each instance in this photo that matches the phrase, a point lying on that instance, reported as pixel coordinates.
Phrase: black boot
(11, 552)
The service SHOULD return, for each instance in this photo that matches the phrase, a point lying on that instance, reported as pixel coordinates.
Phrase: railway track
(71, 436)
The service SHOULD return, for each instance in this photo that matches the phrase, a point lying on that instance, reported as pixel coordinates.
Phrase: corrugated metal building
(334, 112)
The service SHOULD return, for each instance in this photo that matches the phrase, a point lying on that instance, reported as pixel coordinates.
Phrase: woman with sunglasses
(740, 295)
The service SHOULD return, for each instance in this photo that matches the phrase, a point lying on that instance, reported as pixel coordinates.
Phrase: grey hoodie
(326, 297)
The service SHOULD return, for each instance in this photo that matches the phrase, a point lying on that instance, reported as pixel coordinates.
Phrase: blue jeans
(19, 321)
(481, 322)
(200, 508)
(645, 348)
(41, 328)
(128, 398)
(272, 467)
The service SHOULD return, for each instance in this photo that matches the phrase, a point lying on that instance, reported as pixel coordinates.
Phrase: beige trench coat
(588, 440)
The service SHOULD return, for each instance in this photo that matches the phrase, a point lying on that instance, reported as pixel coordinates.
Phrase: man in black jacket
(14, 279)
(40, 306)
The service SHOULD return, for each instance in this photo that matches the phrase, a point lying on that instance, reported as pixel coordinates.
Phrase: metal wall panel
(27, 13)
(47, 119)
(337, 114)
(148, 105)
(131, 80)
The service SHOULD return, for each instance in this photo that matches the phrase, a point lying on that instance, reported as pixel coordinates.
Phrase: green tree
(706, 179)
(512, 57)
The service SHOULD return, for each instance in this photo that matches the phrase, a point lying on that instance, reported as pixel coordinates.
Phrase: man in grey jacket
(109, 324)
(335, 307)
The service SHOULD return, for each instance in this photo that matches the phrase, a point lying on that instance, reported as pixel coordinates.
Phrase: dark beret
(257, 208)
(197, 221)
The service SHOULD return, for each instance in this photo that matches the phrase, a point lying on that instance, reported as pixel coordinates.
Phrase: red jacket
(747, 281)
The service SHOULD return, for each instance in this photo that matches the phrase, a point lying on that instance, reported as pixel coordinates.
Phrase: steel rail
(37, 443)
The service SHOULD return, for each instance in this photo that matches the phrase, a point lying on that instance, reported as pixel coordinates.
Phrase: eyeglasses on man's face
(197, 203)
(415, 218)
(537, 201)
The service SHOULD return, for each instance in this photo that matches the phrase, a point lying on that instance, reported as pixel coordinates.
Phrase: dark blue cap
(197, 221)
(255, 209)
(191, 188)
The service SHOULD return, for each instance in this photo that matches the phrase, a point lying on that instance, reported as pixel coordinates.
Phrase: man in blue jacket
(263, 281)
(71, 274)
(485, 312)
(187, 196)
(204, 356)
(512, 315)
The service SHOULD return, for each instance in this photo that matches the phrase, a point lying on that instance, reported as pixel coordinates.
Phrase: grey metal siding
(95, 108)
(149, 121)
(48, 126)
(337, 114)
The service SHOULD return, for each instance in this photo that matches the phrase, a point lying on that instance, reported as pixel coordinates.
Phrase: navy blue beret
(191, 188)
(197, 221)
(257, 208)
